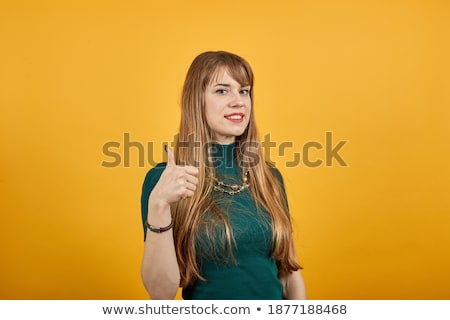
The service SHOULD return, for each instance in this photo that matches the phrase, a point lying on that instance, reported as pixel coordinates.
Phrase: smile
(235, 117)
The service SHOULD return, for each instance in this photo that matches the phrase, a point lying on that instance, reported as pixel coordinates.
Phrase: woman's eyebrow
(228, 85)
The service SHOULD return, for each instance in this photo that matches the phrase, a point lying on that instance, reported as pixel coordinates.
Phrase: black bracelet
(158, 229)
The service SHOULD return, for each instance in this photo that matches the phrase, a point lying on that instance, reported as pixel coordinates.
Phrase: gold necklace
(231, 189)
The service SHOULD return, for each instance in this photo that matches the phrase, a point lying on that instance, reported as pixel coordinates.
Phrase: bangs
(238, 72)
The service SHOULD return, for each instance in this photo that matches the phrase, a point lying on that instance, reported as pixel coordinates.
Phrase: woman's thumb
(170, 157)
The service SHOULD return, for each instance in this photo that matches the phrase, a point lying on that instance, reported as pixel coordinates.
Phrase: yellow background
(75, 75)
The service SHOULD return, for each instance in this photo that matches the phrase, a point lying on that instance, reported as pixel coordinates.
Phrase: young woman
(215, 216)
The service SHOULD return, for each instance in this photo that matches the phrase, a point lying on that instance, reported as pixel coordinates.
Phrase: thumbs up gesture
(176, 182)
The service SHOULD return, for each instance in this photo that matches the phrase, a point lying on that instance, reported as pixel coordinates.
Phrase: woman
(215, 216)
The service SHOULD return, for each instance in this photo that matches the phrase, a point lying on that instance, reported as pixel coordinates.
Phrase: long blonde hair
(264, 185)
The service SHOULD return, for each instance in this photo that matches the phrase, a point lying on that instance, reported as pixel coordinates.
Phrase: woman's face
(228, 107)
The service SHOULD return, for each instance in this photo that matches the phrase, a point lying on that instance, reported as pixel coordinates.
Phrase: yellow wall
(75, 75)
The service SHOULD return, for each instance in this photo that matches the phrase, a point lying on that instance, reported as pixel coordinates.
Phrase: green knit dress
(253, 272)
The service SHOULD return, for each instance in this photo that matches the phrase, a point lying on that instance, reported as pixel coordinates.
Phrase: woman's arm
(160, 272)
(294, 286)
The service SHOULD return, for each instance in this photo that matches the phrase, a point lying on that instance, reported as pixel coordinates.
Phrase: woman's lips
(235, 117)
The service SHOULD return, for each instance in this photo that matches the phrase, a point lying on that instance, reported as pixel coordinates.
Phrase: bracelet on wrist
(158, 229)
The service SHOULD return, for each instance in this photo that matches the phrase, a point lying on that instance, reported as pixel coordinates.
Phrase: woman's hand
(176, 182)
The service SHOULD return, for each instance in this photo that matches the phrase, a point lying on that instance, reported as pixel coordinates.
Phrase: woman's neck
(222, 154)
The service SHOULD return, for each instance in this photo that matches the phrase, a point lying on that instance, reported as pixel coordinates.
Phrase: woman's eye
(221, 91)
(245, 91)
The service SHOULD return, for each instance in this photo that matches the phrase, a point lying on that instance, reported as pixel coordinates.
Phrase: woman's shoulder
(157, 169)
(153, 175)
(275, 171)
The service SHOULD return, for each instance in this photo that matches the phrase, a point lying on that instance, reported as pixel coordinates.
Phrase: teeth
(234, 117)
